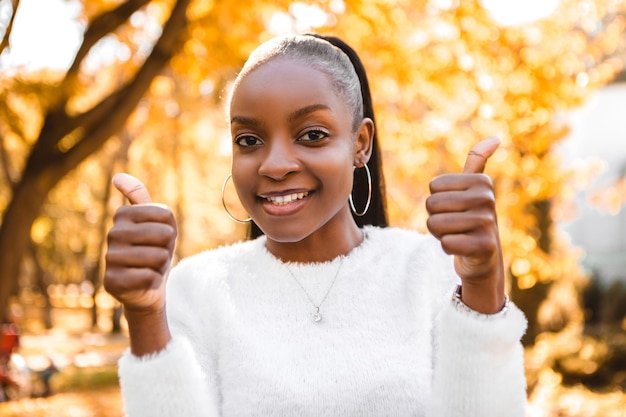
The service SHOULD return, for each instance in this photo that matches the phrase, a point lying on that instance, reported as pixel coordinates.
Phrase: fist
(462, 216)
(140, 247)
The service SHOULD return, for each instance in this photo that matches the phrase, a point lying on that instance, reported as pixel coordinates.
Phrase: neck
(320, 246)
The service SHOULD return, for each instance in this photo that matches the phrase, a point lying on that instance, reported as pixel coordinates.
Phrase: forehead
(286, 80)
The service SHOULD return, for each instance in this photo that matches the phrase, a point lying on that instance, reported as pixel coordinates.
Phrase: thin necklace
(317, 317)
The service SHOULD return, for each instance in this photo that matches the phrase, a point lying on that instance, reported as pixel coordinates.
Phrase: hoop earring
(233, 218)
(369, 194)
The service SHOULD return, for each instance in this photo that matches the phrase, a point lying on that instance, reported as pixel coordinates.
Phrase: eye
(314, 135)
(248, 140)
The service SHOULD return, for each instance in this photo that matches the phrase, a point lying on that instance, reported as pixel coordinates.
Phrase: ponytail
(377, 213)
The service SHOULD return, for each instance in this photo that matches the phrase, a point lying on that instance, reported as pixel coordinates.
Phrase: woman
(319, 315)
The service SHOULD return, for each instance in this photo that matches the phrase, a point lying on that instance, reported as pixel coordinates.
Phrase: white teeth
(286, 199)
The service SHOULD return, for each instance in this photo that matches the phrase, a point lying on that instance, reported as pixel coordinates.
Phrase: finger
(478, 155)
(142, 234)
(453, 223)
(149, 213)
(445, 202)
(153, 257)
(460, 182)
(461, 201)
(120, 280)
(132, 188)
(478, 247)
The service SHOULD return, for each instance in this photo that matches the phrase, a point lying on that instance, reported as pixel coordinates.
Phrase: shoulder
(223, 254)
(406, 243)
(426, 266)
(208, 268)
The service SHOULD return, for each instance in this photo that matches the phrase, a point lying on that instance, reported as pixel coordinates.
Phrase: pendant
(317, 317)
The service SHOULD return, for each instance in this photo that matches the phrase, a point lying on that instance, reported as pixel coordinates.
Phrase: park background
(137, 86)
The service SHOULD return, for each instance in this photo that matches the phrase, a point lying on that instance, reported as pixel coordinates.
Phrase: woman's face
(294, 150)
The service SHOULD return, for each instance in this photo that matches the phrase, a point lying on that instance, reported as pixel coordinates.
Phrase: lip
(284, 202)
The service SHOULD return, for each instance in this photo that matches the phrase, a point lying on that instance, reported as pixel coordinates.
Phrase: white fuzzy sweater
(391, 342)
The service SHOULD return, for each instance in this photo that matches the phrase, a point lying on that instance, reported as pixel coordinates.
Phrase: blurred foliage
(103, 402)
(444, 75)
(73, 379)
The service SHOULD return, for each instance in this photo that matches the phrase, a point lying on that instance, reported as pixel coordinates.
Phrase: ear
(364, 142)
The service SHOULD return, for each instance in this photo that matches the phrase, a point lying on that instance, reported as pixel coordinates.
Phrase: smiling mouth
(281, 200)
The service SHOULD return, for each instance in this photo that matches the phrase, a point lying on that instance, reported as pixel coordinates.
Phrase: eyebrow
(306, 110)
(246, 121)
(252, 122)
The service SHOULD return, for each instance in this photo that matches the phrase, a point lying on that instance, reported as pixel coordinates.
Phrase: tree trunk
(28, 197)
(529, 300)
(95, 272)
(47, 165)
(42, 283)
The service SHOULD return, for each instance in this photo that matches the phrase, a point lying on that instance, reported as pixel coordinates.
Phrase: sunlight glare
(519, 12)
(300, 19)
(46, 34)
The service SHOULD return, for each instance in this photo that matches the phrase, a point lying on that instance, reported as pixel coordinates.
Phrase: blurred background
(90, 88)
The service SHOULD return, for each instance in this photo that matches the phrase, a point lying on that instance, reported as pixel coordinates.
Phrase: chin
(286, 236)
(283, 231)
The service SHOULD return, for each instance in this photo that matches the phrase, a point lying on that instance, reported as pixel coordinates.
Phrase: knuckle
(113, 235)
(170, 217)
(161, 256)
(486, 198)
(170, 232)
(486, 245)
(432, 225)
(108, 283)
(163, 213)
(484, 219)
(429, 204)
(112, 257)
(446, 246)
(111, 282)
(490, 197)
(121, 213)
(484, 180)
(146, 276)
(435, 183)
(492, 244)
(108, 257)
(117, 215)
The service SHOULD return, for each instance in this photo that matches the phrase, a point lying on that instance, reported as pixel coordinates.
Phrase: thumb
(132, 188)
(478, 155)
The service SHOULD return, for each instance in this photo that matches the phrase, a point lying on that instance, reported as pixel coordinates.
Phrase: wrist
(148, 331)
(483, 299)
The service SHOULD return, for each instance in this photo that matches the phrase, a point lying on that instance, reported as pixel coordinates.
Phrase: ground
(85, 381)
(104, 402)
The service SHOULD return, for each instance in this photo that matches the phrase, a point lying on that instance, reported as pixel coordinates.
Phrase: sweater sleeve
(478, 364)
(167, 384)
(478, 360)
(180, 380)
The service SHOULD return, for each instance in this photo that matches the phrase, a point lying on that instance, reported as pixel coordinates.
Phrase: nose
(280, 159)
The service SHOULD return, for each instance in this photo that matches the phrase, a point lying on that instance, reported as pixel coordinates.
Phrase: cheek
(339, 176)
(349, 181)
(243, 172)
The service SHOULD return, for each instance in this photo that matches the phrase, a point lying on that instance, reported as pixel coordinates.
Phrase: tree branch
(57, 123)
(7, 34)
(100, 27)
(108, 117)
(4, 160)
(103, 124)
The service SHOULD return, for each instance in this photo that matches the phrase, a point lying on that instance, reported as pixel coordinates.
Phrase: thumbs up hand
(462, 216)
(140, 247)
